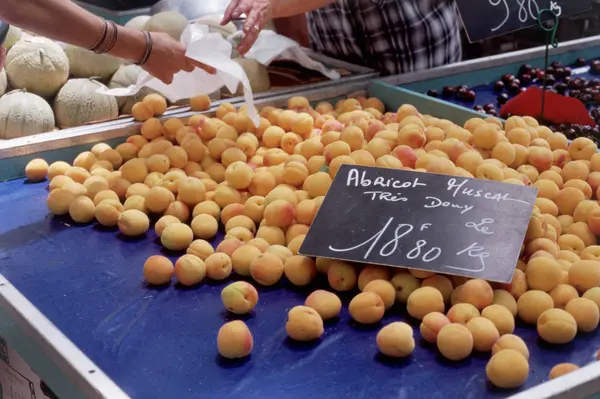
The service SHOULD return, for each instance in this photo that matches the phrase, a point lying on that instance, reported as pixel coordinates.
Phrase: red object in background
(557, 108)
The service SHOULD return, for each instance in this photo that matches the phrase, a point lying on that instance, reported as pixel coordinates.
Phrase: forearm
(65, 21)
(289, 8)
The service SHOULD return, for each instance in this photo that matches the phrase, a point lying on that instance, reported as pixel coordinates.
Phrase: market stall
(126, 338)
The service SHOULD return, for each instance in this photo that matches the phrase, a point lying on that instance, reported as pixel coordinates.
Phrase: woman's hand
(168, 57)
(258, 14)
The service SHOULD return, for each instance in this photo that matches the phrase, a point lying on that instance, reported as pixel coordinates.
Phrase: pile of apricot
(263, 185)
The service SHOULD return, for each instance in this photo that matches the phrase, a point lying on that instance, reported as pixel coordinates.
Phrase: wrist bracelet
(100, 40)
(114, 37)
(148, 48)
(108, 38)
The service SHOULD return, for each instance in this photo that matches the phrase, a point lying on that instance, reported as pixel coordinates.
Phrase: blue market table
(74, 304)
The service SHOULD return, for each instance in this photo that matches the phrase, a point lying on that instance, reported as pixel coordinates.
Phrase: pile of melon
(45, 85)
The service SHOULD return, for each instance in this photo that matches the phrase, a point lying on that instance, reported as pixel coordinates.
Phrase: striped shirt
(390, 36)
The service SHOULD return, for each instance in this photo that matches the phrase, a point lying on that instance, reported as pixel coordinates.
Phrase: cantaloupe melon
(24, 114)
(125, 76)
(170, 22)
(213, 21)
(13, 36)
(78, 103)
(38, 66)
(137, 22)
(86, 64)
(257, 74)
(3, 82)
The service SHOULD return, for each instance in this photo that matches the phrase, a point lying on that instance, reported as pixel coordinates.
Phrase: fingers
(229, 11)
(188, 67)
(252, 27)
(197, 64)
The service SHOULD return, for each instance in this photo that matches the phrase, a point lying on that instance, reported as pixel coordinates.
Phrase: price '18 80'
(528, 10)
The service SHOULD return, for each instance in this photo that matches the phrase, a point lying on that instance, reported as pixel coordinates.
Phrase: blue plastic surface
(161, 343)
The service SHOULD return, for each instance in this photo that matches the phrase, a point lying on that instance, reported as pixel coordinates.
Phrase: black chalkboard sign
(447, 224)
(488, 18)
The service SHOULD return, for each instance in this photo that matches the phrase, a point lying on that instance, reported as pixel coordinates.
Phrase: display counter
(74, 304)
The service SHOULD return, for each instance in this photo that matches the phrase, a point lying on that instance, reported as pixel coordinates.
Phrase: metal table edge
(104, 131)
(583, 383)
(36, 331)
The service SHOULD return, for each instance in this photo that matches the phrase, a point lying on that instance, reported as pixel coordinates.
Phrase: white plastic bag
(210, 49)
(270, 46)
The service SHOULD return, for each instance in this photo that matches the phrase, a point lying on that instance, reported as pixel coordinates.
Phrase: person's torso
(391, 36)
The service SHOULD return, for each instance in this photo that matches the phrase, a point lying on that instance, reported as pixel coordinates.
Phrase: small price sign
(488, 18)
(439, 223)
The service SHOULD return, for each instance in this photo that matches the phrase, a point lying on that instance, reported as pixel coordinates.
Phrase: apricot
(218, 266)
(190, 270)
(507, 369)
(582, 148)
(510, 341)
(136, 202)
(384, 289)
(300, 270)
(504, 298)
(200, 248)
(556, 326)
(562, 369)
(585, 312)
(461, 313)
(135, 170)
(177, 236)
(200, 102)
(58, 168)
(242, 257)
(432, 324)
(396, 340)
(543, 274)
(158, 270)
(234, 340)
(204, 226)
(424, 300)
(133, 222)
(37, 170)
(405, 284)
(478, 293)
(326, 303)
(584, 275)
(279, 213)
(239, 297)
(107, 212)
(593, 294)
(341, 276)
(441, 283)
(484, 332)
(280, 251)
(563, 294)
(229, 245)
(266, 269)
(455, 342)
(304, 324)
(501, 317)
(138, 189)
